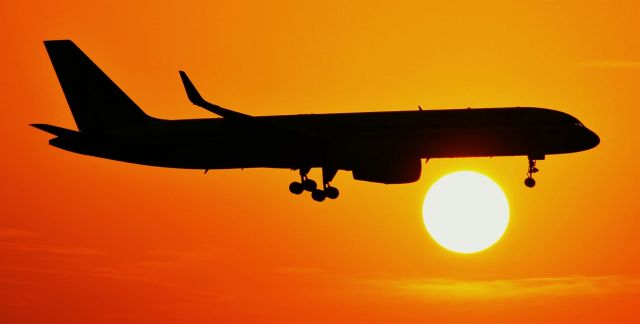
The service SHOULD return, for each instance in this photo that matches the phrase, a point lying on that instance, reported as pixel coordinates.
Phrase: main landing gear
(529, 181)
(307, 184)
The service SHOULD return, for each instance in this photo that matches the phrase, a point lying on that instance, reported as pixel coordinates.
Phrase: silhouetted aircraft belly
(385, 147)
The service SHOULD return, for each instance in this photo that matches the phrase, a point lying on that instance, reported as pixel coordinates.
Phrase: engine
(389, 171)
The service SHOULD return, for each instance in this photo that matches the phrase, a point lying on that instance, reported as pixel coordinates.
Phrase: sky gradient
(84, 239)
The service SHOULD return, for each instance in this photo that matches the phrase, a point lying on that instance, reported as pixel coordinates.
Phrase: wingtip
(196, 98)
(192, 93)
(183, 75)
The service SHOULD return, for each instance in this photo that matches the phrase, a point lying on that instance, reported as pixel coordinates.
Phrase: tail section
(96, 102)
(54, 130)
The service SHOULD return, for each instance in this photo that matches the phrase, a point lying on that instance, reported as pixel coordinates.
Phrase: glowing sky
(90, 240)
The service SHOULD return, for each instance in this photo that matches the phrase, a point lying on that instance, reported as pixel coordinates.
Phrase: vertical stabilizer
(96, 102)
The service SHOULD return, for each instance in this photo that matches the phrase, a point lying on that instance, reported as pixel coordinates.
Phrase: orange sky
(89, 240)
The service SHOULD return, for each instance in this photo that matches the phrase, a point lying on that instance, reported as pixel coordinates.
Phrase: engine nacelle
(389, 171)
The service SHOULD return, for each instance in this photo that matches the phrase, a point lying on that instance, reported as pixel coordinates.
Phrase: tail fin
(96, 102)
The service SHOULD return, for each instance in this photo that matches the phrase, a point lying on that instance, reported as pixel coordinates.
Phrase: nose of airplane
(592, 139)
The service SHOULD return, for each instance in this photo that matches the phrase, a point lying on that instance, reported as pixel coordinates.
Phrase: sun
(465, 212)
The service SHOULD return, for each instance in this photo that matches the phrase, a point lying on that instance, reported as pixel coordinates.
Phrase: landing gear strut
(307, 184)
(530, 182)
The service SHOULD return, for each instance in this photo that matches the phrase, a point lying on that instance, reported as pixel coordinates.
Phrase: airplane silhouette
(383, 147)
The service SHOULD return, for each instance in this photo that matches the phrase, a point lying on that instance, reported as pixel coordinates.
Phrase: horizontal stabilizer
(196, 99)
(55, 130)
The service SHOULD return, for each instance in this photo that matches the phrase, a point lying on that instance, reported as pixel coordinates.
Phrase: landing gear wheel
(296, 188)
(309, 185)
(530, 182)
(306, 184)
(332, 192)
(318, 195)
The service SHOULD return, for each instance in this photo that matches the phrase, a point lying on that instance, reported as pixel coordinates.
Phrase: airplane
(383, 147)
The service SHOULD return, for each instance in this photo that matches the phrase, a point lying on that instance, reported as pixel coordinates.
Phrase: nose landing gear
(530, 182)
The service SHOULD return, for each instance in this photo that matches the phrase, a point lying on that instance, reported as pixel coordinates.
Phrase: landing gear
(307, 184)
(331, 192)
(296, 188)
(318, 195)
(530, 182)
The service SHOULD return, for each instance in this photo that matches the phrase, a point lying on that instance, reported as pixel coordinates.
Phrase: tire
(530, 182)
(309, 185)
(296, 188)
(332, 192)
(318, 195)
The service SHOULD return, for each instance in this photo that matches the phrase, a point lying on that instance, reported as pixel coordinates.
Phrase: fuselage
(344, 140)
(381, 147)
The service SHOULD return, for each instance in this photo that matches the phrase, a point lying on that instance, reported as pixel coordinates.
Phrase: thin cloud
(299, 270)
(48, 249)
(9, 232)
(115, 274)
(178, 254)
(96, 273)
(449, 289)
(612, 64)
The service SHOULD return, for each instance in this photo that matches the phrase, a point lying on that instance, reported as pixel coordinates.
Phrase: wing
(196, 99)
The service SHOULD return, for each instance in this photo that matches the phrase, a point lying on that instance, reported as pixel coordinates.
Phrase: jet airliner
(382, 147)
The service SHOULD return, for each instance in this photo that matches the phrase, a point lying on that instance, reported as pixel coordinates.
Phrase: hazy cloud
(48, 249)
(449, 289)
(8, 232)
(121, 273)
(177, 254)
(97, 273)
(298, 270)
(615, 64)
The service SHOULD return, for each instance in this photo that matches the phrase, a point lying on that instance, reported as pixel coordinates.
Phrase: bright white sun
(465, 212)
